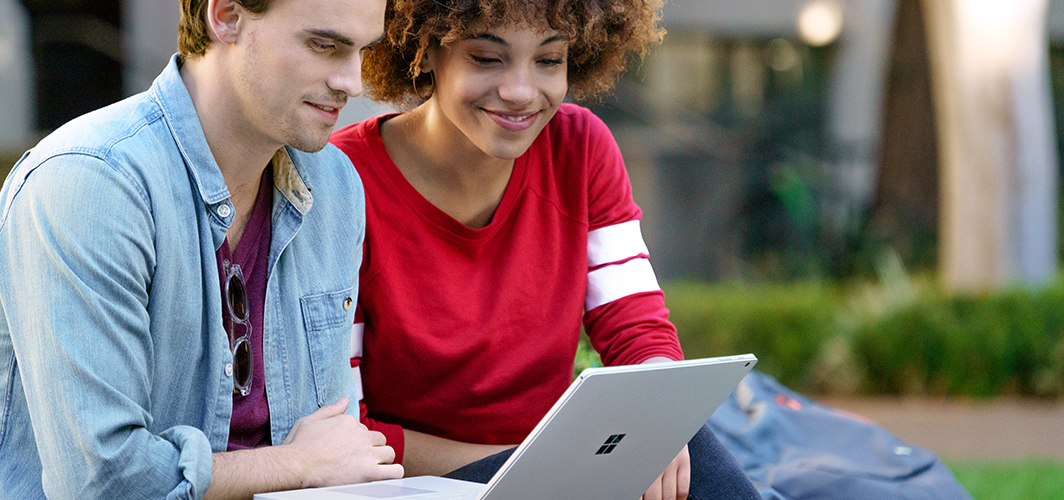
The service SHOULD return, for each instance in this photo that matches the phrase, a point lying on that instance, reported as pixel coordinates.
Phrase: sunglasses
(236, 299)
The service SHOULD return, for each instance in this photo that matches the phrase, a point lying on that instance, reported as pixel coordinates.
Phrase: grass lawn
(1030, 479)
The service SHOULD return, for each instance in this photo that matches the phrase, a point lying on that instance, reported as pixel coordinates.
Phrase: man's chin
(310, 144)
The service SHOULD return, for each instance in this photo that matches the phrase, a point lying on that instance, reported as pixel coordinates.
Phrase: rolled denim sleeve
(77, 242)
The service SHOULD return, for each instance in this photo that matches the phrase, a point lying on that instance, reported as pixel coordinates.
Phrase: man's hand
(335, 448)
(325, 448)
(675, 482)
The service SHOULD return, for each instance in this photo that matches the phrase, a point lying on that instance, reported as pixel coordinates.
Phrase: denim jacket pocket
(327, 318)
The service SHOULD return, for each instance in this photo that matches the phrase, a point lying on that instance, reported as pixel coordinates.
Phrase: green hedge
(895, 337)
(784, 326)
(1008, 342)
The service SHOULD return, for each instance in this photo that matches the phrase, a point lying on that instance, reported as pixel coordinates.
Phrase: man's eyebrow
(495, 39)
(331, 35)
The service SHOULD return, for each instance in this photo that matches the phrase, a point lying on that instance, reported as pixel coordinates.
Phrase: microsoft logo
(610, 444)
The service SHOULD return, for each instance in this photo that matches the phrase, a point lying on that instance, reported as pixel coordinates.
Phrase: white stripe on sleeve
(610, 283)
(614, 243)
(357, 330)
(357, 374)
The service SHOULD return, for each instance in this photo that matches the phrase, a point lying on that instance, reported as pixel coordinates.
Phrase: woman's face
(500, 86)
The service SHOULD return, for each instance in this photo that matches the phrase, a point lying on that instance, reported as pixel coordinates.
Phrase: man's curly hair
(601, 34)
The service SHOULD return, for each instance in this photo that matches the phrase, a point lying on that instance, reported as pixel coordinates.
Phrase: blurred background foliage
(896, 335)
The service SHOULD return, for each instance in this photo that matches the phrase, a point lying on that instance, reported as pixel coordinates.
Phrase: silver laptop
(608, 437)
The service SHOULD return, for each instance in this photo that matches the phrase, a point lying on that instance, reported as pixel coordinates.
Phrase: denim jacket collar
(179, 112)
(287, 179)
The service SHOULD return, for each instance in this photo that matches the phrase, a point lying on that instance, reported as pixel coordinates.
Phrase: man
(177, 284)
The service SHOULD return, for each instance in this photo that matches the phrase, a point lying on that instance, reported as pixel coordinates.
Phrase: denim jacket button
(228, 369)
(224, 211)
(347, 303)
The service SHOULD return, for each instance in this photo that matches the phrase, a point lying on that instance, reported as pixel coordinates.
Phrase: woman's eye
(551, 62)
(484, 60)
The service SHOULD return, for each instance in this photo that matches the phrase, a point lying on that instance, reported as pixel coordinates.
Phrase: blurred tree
(904, 212)
(998, 163)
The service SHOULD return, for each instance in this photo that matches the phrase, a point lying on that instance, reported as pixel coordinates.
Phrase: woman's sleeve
(393, 432)
(624, 308)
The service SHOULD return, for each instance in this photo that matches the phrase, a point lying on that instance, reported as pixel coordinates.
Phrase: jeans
(714, 472)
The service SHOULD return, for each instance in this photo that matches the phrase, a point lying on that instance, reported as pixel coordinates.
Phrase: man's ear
(223, 17)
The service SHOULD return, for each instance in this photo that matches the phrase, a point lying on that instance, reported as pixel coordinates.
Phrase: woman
(498, 220)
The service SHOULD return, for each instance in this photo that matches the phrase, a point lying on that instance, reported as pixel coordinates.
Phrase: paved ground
(1002, 428)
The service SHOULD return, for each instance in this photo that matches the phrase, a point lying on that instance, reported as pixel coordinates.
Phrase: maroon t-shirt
(250, 424)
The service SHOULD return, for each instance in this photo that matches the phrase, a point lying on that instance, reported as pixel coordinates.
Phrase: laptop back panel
(613, 432)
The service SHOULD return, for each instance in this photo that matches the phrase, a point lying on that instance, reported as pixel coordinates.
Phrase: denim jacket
(115, 370)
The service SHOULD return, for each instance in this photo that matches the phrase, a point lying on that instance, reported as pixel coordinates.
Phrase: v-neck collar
(432, 213)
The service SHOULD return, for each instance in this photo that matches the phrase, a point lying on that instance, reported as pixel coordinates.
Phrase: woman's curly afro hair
(601, 34)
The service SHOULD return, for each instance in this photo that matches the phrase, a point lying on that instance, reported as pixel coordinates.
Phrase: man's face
(297, 64)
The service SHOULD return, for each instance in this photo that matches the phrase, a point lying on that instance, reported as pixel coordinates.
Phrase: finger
(340, 405)
(385, 454)
(668, 484)
(377, 438)
(654, 492)
(329, 411)
(390, 471)
(683, 478)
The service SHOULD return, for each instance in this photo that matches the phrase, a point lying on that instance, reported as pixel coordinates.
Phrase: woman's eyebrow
(490, 38)
(555, 38)
(496, 39)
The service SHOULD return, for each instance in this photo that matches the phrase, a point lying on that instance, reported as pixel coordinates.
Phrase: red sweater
(470, 334)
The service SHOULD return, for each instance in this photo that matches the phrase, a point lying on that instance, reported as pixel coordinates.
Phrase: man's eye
(321, 47)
